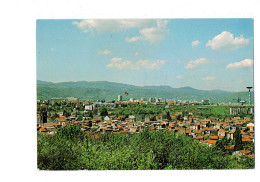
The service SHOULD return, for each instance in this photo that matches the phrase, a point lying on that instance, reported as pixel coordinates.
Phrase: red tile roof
(209, 141)
(213, 137)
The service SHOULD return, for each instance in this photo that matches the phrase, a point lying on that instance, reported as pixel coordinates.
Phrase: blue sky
(205, 54)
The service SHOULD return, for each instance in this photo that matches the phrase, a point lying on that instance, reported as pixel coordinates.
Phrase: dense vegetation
(71, 149)
(108, 90)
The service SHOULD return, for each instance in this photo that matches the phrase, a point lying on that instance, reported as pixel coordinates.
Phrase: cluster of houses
(207, 131)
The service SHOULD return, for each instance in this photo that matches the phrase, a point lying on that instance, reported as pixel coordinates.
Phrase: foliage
(238, 139)
(221, 143)
(70, 132)
(57, 154)
(123, 151)
(103, 111)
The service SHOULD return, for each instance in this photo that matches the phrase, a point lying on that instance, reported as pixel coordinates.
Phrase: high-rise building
(205, 101)
(143, 99)
(151, 99)
(120, 98)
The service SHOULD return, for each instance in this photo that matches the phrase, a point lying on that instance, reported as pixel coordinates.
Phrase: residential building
(120, 98)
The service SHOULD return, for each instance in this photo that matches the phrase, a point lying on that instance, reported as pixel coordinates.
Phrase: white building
(89, 107)
(120, 98)
(206, 101)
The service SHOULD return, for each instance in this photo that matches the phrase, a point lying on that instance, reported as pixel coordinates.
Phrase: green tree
(103, 111)
(179, 117)
(89, 114)
(168, 116)
(70, 132)
(221, 143)
(238, 139)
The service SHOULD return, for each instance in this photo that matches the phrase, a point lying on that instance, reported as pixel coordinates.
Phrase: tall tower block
(249, 94)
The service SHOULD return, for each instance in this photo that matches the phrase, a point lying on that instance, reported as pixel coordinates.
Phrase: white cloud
(179, 77)
(133, 39)
(121, 64)
(227, 41)
(241, 81)
(195, 43)
(242, 64)
(105, 52)
(192, 64)
(112, 25)
(153, 31)
(137, 54)
(52, 49)
(209, 78)
(152, 34)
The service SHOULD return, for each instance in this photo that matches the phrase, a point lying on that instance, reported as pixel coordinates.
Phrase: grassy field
(220, 112)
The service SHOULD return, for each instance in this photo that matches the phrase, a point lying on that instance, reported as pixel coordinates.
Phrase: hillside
(109, 90)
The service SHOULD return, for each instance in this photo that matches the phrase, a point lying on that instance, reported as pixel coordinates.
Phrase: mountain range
(85, 90)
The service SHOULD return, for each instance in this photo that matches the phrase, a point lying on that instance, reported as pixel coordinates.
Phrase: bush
(121, 151)
(70, 132)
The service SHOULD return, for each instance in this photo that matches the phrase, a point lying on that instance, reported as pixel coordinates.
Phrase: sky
(206, 54)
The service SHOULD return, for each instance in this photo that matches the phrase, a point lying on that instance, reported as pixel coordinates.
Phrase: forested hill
(85, 90)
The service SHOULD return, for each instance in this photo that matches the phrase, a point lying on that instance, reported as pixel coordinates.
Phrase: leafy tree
(89, 114)
(221, 143)
(238, 139)
(69, 132)
(68, 150)
(103, 111)
(179, 117)
(80, 117)
(168, 116)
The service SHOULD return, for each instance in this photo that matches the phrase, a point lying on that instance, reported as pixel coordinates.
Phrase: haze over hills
(85, 90)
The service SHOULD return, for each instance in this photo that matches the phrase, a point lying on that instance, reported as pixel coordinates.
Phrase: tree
(103, 111)
(80, 117)
(238, 139)
(179, 117)
(168, 116)
(90, 114)
(222, 143)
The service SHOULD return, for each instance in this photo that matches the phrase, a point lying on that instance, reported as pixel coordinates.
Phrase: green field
(220, 112)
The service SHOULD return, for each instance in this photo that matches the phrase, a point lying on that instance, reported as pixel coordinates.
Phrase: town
(204, 122)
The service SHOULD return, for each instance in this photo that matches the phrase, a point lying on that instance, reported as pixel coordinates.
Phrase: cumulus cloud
(121, 64)
(242, 64)
(105, 52)
(194, 63)
(195, 43)
(241, 81)
(137, 54)
(227, 41)
(52, 49)
(209, 78)
(112, 25)
(153, 31)
(179, 77)
(152, 34)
